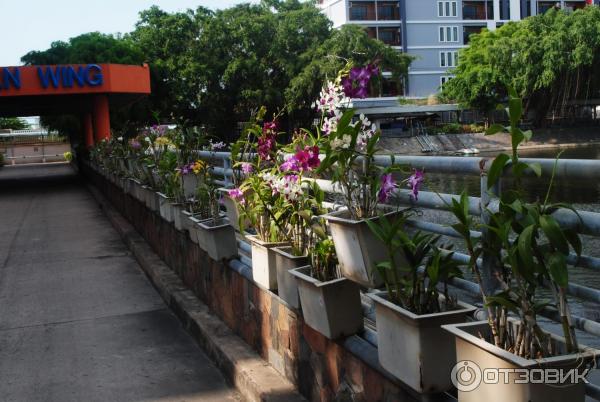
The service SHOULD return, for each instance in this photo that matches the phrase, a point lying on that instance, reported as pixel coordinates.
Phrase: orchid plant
(526, 247)
(414, 285)
(205, 202)
(260, 194)
(350, 145)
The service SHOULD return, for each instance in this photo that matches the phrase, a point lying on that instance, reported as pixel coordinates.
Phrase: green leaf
(496, 169)
(574, 239)
(525, 246)
(378, 229)
(536, 168)
(520, 168)
(515, 107)
(383, 266)
(559, 272)
(554, 233)
(503, 300)
(495, 129)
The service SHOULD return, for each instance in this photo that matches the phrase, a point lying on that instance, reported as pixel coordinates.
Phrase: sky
(27, 25)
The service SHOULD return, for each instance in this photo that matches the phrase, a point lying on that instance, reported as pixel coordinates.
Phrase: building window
(449, 59)
(470, 30)
(447, 9)
(372, 32)
(389, 10)
(390, 36)
(448, 34)
(362, 11)
(478, 10)
(444, 79)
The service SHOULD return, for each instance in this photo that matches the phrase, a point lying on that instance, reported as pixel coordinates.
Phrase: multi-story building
(432, 30)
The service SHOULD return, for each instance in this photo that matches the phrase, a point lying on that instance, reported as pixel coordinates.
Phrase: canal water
(583, 195)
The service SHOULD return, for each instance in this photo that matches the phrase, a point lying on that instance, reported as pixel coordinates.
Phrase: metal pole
(226, 166)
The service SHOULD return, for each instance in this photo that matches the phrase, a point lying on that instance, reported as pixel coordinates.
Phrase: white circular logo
(466, 376)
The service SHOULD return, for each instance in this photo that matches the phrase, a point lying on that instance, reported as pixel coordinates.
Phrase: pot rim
(457, 330)
(379, 297)
(204, 223)
(299, 273)
(256, 241)
(224, 190)
(281, 251)
(338, 216)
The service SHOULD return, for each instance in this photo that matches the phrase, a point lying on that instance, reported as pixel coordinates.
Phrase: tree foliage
(214, 69)
(550, 59)
(93, 47)
(13, 123)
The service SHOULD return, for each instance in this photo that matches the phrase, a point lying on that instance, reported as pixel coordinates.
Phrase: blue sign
(8, 78)
(66, 76)
(57, 77)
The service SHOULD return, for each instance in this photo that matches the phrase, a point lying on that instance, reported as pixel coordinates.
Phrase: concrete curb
(254, 378)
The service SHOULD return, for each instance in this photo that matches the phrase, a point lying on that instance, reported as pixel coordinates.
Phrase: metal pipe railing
(584, 222)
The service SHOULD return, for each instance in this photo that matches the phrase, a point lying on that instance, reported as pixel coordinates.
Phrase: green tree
(167, 41)
(93, 47)
(348, 44)
(13, 123)
(550, 60)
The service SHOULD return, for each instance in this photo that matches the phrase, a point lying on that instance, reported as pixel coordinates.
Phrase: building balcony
(470, 30)
(391, 36)
(374, 11)
(478, 10)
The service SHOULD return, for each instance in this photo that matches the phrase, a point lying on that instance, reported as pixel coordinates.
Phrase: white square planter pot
(218, 238)
(127, 184)
(123, 166)
(165, 209)
(232, 211)
(136, 190)
(131, 172)
(190, 185)
(143, 190)
(150, 198)
(185, 219)
(358, 249)
(415, 348)
(332, 308)
(481, 355)
(264, 271)
(193, 228)
(177, 221)
(287, 285)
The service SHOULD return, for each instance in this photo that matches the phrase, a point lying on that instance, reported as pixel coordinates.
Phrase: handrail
(584, 222)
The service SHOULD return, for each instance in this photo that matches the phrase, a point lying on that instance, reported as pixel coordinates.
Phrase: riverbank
(452, 143)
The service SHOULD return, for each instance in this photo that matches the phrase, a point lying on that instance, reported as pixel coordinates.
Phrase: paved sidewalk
(78, 319)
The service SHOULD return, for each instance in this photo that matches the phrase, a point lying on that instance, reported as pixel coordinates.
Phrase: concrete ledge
(254, 378)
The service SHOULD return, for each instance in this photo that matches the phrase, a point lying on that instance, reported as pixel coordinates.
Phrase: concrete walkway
(78, 319)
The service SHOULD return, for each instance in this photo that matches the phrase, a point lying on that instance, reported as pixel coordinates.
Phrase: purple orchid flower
(247, 167)
(387, 187)
(237, 195)
(415, 181)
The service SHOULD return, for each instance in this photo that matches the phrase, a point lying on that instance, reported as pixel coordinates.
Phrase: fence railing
(584, 222)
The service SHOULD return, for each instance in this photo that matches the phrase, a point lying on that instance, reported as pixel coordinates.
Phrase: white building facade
(433, 30)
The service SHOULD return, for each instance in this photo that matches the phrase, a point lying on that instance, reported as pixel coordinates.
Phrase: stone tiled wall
(323, 370)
